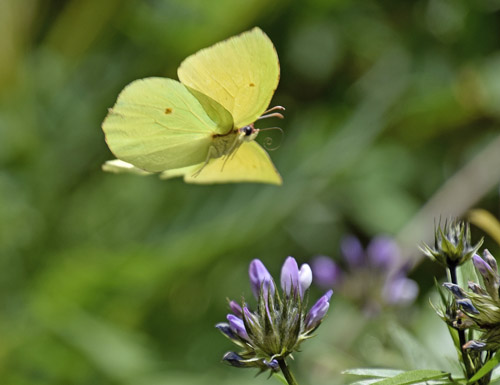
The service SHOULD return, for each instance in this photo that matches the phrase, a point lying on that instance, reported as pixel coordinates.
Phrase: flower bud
(272, 364)
(452, 244)
(484, 268)
(474, 345)
(318, 311)
(490, 259)
(226, 330)
(237, 326)
(234, 359)
(290, 276)
(305, 278)
(467, 306)
(456, 290)
(236, 308)
(260, 278)
(488, 269)
(475, 288)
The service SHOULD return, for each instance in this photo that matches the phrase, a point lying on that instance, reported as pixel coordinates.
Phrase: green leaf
(369, 372)
(369, 381)
(487, 367)
(413, 377)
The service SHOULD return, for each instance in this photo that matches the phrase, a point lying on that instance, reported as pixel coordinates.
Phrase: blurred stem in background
(456, 196)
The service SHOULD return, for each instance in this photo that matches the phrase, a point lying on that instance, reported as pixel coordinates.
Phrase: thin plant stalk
(461, 333)
(286, 372)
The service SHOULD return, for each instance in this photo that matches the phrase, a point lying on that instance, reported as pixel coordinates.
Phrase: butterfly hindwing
(250, 163)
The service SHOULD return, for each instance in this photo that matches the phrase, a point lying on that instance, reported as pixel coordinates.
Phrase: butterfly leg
(212, 153)
(232, 151)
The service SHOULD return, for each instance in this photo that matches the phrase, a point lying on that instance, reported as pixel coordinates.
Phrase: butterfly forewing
(240, 73)
(157, 124)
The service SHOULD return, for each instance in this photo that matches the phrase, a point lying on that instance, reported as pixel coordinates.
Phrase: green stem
(461, 333)
(286, 372)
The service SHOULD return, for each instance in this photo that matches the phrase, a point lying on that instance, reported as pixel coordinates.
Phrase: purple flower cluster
(372, 276)
(280, 323)
(479, 307)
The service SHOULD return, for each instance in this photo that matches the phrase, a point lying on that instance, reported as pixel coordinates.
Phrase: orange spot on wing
(168, 110)
(251, 85)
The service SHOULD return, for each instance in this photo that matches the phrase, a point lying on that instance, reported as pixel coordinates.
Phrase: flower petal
(490, 259)
(237, 326)
(234, 359)
(289, 276)
(482, 266)
(226, 330)
(318, 311)
(260, 278)
(305, 278)
(236, 308)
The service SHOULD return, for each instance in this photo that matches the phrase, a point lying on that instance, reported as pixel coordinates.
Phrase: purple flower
(226, 330)
(234, 359)
(273, 364)
(456, 290)
(290, 276)
(475, 345)
(305, 278)
(374, 277)
(490, 259)
(482, 266)
(236, 308)
(326, 272)
(467, 306)
(352, 250)
(280, 322)
(238, 361)
(383, 252)
(400, 290)
(249, 316)
(260, 278)
(318, 311)
(237, 326)
(487, 267)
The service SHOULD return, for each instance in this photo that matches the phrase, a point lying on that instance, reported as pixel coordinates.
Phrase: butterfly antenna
(268, 141)
(267, 113)
(281, 108)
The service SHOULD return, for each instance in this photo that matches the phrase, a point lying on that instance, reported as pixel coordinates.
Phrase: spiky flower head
(479, 307)
(452, 244)
(280, 323)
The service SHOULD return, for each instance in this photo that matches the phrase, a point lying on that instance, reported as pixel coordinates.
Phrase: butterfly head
(248, 133)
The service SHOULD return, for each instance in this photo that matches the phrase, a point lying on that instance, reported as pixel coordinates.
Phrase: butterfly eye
(247, 130)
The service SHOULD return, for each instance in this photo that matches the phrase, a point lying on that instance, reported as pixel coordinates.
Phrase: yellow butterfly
(201, 128)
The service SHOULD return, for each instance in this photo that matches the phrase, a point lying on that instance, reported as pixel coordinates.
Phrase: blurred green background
(393, 115)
